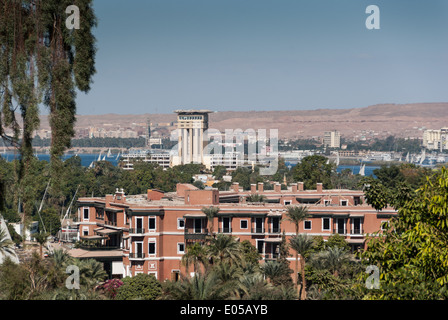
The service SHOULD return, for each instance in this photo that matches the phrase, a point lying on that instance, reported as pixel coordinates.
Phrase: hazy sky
(156, 56)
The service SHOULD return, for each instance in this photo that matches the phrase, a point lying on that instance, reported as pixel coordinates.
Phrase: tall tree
(195, 254)
(211, 212)
(302, 244)
(225, 248)
(43, 61)
(296, 214)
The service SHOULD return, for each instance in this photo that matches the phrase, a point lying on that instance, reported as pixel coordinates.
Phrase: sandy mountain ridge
(402, 120)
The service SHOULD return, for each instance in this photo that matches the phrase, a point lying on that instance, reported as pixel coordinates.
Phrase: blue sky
(156, 56)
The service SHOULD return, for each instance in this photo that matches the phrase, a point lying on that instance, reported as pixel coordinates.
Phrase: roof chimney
(260, 186)
(277, 187)
(253, 188)
(300, 186)
(319, 187)
(294, 188)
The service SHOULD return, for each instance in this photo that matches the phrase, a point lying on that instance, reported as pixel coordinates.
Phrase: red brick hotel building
(149, 233)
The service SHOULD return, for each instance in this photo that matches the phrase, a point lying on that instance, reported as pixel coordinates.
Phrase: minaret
(148, 133)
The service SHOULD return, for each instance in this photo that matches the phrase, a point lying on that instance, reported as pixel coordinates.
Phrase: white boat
(362, 171)
(99, 157)
(422, 157)
(109, 154)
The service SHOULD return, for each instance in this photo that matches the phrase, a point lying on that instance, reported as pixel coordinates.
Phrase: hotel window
(85, 231)
(287, 202)
(86, 213)
(326, 224)
(356, 226)
(384, 225)
(340, 225)
(307, 224)
(100, 213)
(243, 224)
(152, 223)
(327, 202)
(180, 223)
(180, 247)
(275, 225)
(152, 246)
(226, 225)
(344, 203)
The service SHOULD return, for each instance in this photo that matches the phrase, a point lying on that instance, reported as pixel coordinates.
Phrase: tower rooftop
(192, 111)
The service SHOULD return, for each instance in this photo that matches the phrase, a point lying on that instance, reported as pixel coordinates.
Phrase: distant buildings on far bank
(332, 139)
(435, 139)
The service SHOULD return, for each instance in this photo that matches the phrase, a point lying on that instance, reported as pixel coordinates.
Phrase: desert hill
(402, 120)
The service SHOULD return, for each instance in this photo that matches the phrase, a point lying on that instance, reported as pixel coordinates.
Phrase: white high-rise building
(191, 125)
(332, 139)
(435, 139)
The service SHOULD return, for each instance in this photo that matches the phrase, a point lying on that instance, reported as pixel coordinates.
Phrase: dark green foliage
(394, 185)
(42, 61)
(313, 169)
(141, 286)
(412, 252)
(51, 219)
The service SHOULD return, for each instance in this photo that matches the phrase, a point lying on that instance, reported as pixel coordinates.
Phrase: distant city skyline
(157, 56)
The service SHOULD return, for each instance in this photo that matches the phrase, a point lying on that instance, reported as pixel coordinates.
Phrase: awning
(92, 237)
(274, 214)
(356, 215)
(113, 209)
(273, 240)
(195, 215)
(105, 231)
(81, 253)
(355, 240)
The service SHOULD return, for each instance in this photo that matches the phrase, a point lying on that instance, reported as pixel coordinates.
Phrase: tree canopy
(43, 62)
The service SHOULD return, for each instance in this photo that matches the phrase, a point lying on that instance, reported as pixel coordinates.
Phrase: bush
(111, 287)
(142, 286)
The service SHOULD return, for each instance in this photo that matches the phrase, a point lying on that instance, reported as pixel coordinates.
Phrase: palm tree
(302, 245)
(61, 258)
(200, 287)
(252, 286)
(224, 248)
(296, 214)
(41, 239)
(333, 258)
(256, 197)
(195, 254)
(273, 269)
(91, 272)
(6, 244)
(211, 212)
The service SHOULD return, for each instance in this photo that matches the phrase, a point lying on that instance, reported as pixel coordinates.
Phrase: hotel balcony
(195, 233)
(357, 232)
(110, 223)
(225, 230)
(271, 256)
(258, 230)
(137, 256)
(137, 231)
(275, 230)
